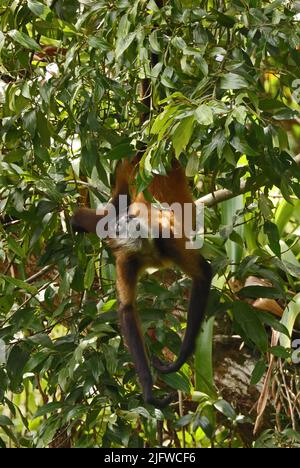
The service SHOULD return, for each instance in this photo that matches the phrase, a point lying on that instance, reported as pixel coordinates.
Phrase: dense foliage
(225, 88)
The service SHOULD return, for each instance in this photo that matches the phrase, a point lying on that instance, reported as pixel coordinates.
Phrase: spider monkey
(134, 256)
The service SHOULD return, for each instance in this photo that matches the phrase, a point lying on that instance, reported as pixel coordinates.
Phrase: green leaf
(233, 81)
(108, 305)
(5, 421)
(256, 292)
(289, 319)
(280, 351)
(283, 215)
(274, 323)
(89, 274)
(39, 9)
(24, 40)
(98, 43)
(182, 135)
(123, 44)
(179, 43)
(2, 40)
(11, 435)
(204, 372)
(156, 70)
(15, 364)
(19, 284)
(163, 121)
(43, 129)
(242, 146)
(229, 210)
(41, 339)
(124, 150)
(240, 114)
(185, 420)
(248, 319)
(167, 82)
(49, 408)
(271, 230)
(76, 413)
(205, 424)
(177, 381)
(258, 372)
(35, 361)
(225, 408)
(192, 167)
(204, 115)
(30, 122)
(224, 20)
(15, 247)
(154, 44)
(141, 412)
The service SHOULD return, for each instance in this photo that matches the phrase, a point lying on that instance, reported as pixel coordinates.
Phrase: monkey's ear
(85, 220)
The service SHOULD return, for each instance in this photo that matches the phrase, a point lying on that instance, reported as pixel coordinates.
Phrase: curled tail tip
(160, 404)
(166, 368)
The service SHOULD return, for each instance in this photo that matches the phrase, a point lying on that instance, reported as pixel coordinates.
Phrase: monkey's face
(130, 232)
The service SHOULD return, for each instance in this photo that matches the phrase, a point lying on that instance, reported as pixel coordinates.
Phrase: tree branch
(222, 195)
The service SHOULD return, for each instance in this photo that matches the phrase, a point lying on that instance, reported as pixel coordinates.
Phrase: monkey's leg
(201, 274)
(127, 275)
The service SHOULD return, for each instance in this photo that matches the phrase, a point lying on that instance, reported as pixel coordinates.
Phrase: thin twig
(287, 396)
(39, 274)
(181, 413)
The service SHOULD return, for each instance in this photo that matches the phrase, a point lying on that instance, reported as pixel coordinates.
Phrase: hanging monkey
(134, 255)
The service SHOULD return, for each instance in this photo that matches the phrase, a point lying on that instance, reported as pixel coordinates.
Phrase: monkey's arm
(85, 220)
